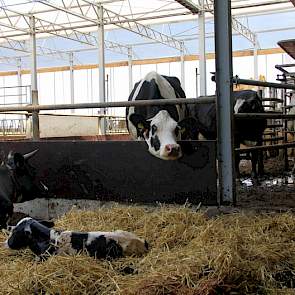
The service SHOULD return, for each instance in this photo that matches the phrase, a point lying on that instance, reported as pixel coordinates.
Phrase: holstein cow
(44, 241)
(247, 132)
(17, 184)
(159, 126)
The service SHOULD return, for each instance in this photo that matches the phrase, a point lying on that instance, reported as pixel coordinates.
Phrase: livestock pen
(208, 233)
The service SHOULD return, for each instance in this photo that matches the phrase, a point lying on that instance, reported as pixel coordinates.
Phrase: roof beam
(111, 17)
(189, 5)
(140, 29)
(44, 26)
(209, 7)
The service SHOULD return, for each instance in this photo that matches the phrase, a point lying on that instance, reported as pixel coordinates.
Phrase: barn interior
(63, 64)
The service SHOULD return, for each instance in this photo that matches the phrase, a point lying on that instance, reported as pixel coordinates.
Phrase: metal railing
(9, 127)
(15, 95)
(116, 125)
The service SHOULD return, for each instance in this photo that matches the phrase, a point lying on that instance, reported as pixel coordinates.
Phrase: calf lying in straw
(44, 241)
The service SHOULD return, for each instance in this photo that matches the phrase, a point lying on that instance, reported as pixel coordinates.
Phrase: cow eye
(176, 131)
(154, 129)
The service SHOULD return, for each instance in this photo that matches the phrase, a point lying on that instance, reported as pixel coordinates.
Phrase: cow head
(162, 132)
(23, 176)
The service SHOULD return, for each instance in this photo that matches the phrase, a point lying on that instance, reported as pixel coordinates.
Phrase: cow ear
(188, 128)
(139, 122)
(19, 160)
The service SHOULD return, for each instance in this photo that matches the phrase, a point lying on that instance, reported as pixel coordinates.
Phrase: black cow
(159, 126)
(43, 241)
(17, 184)
(247, 132)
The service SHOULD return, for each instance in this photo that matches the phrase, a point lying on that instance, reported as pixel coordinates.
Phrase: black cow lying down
(44, 241)
(17, 183)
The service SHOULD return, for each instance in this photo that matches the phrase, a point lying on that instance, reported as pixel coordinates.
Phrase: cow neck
(16, 185)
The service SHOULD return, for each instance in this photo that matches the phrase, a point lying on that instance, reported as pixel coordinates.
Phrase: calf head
(161, 133)
(29, 233)
(23, 175)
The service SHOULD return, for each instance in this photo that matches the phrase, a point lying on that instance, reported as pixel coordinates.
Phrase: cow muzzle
(172, 151)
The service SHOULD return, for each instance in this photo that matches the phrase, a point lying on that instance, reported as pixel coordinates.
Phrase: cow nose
(172, 149)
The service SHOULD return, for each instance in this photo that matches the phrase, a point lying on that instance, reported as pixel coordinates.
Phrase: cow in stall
(159, 126)
(17, 184)
(44, 241)
(246, 132)
(162, 126)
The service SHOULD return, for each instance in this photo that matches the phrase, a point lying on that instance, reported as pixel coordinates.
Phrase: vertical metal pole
(223, 62)
(19, 85)
(197, 79)
(255, 58)
(101, 65)
(182, 77)
(19, 80)
(34, 89)
(72, 89)
(202, 50)
(130, 74)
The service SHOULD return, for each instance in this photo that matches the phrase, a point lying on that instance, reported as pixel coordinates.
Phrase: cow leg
(237, 162)
(260, 159)
(254, 161)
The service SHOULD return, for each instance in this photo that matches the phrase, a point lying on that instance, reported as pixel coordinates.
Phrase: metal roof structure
(70, 26)
(25, 27)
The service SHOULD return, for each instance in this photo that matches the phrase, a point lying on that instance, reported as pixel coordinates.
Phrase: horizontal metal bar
(289, 106)
(272, 99)
(285, 66)
(273, 138)
(274, 126)
(259, 116)
(266, 147)
(237, 80)
(115, 104)
(273, 111)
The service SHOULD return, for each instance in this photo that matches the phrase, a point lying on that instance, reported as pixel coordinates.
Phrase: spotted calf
(44, 241)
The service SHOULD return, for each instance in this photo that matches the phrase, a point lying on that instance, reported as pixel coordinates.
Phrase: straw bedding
(189, 254)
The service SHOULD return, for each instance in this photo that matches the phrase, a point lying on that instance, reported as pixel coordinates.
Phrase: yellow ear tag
(140, 126)
(182, 130)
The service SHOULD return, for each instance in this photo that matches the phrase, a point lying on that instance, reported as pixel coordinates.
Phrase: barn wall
(65, 126)
(123, 171)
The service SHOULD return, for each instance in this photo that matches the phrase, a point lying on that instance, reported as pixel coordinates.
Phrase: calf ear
(140, 123)
(188, 128)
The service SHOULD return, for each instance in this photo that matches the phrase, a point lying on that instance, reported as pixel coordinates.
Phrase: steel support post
(101, 66)
(223, 63)
(197, 79)
(182, 73)
(72, 89)
(255, 54)
(19, 91)
(34, 88)
(130, 73)
(202, 50)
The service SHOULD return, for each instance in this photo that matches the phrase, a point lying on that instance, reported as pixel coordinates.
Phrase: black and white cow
(247, 132)
(44, 241)
(17, 184)
(159, 126)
